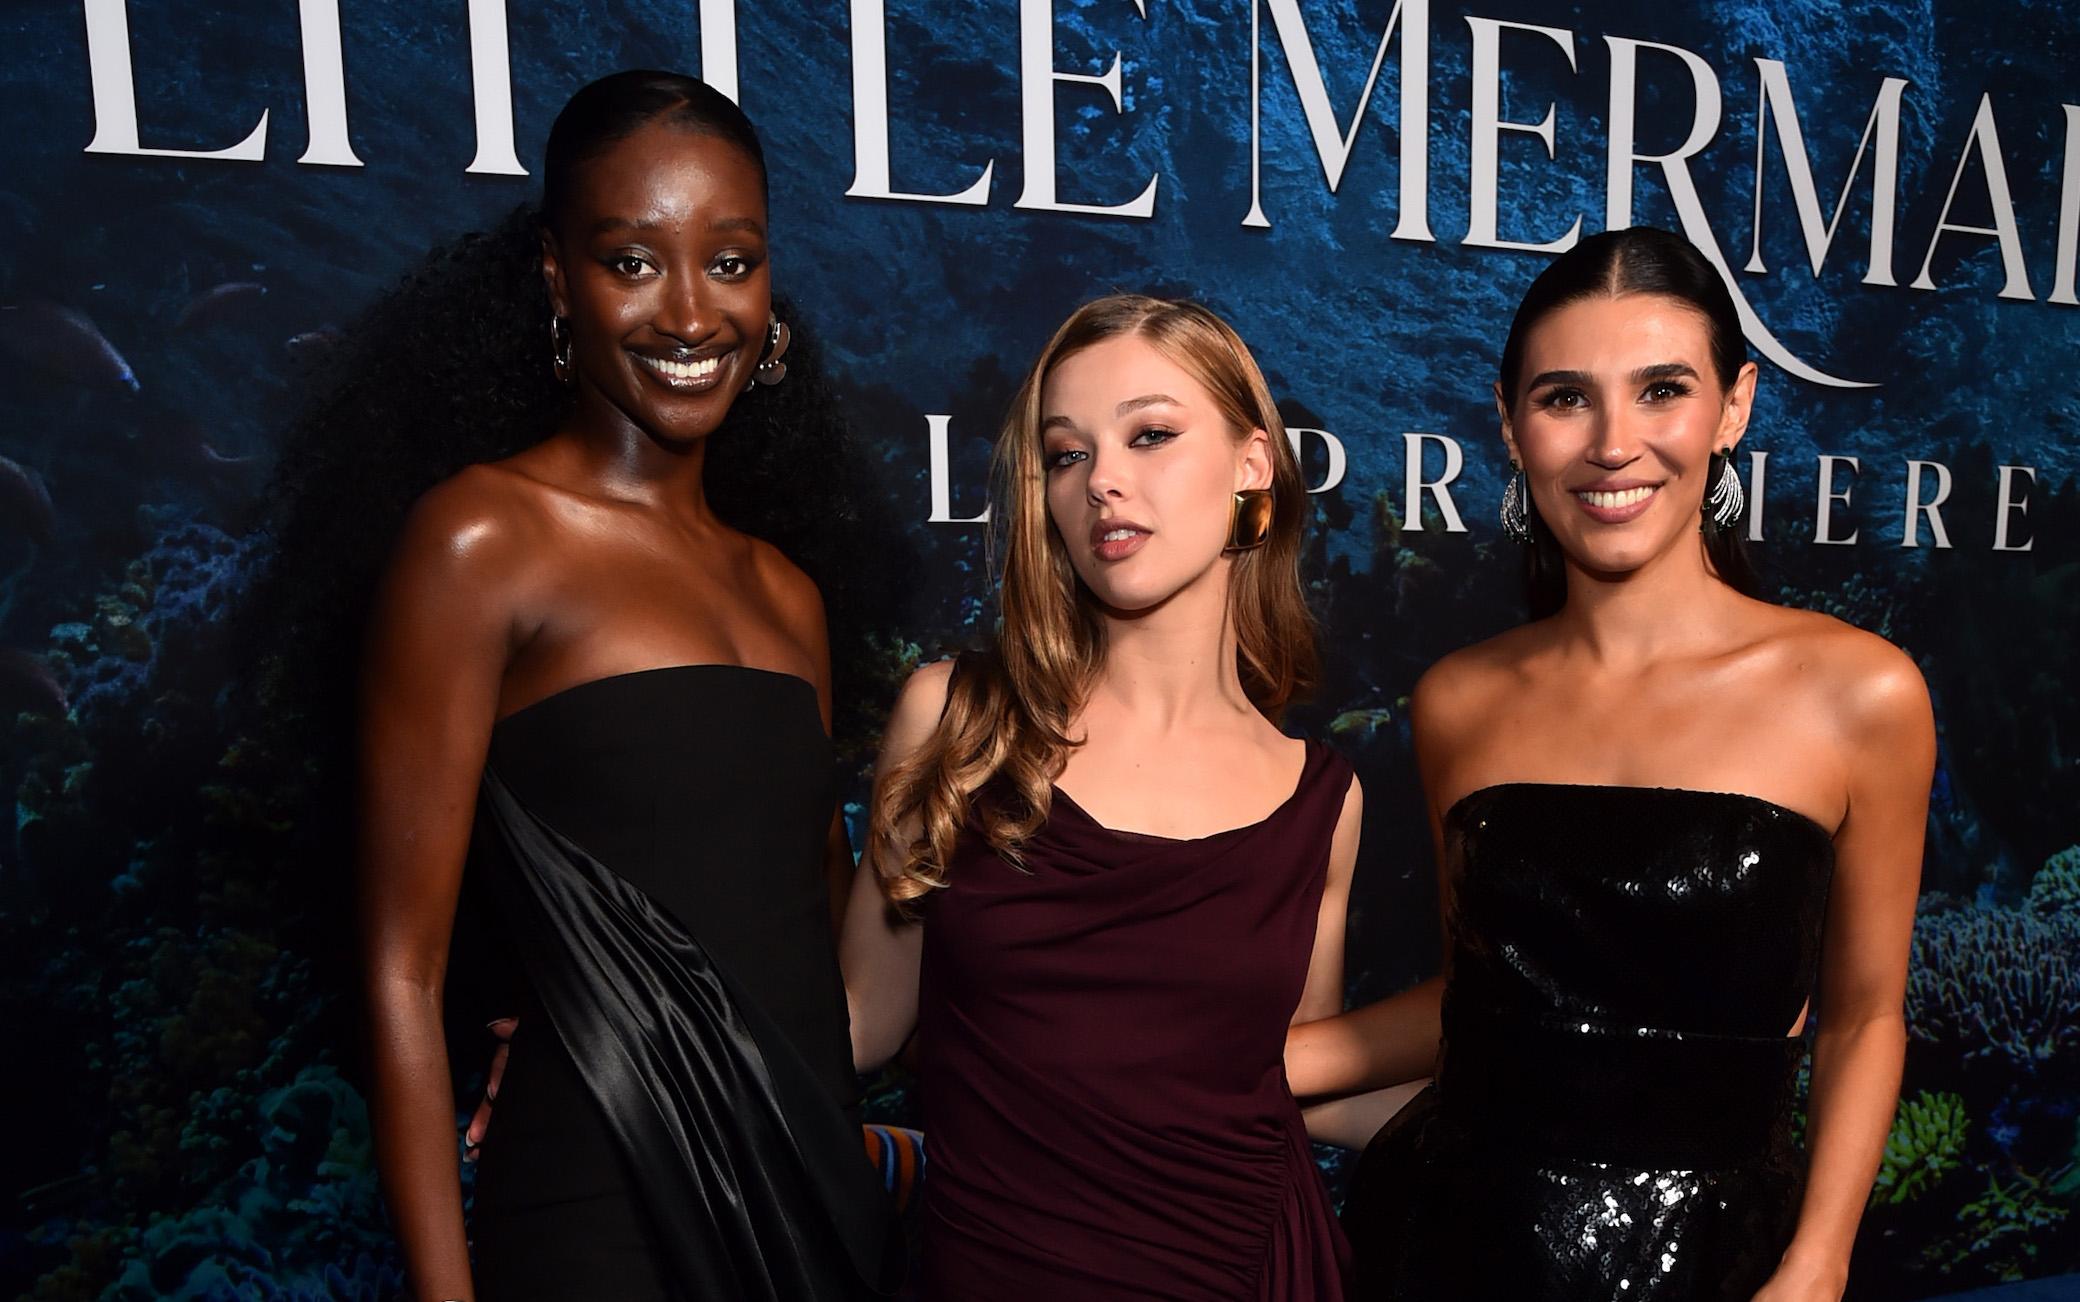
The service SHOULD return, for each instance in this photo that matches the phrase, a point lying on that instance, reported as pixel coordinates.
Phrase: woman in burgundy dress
(1114, 882)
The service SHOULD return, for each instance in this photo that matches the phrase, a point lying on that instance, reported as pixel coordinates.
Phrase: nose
(686, 307)
(1617, 442)
(1107, 481)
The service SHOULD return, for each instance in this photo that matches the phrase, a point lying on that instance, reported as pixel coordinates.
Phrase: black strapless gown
(1611, 1117)
(677, 1113)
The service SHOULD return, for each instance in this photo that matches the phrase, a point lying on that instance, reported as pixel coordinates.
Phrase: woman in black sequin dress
(1674, 824)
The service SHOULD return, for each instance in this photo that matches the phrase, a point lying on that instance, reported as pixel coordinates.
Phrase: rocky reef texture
(2054, 893)
(1993, 1012)
(1996, 981)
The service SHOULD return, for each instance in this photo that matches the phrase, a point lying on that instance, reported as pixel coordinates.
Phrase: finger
(498, 1072)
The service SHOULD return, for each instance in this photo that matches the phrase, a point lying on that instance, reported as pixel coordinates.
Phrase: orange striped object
(898, 1153)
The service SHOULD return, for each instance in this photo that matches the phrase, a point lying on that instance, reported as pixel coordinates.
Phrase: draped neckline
(1309, 770)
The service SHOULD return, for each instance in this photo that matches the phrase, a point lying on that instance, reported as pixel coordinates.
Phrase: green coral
(1361, 722)
(2000, 1231)
(1927, 1143)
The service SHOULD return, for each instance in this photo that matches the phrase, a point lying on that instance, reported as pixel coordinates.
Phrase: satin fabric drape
(756, 1185)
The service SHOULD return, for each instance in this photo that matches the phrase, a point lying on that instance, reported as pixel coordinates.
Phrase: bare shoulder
(1461, 688)
(793, 593)
(1874, 688)
(482, 525)
(1353, 816)
(917, 710)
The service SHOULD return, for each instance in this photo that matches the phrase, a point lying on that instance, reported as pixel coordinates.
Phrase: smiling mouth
(683, 374)
(1620, 499)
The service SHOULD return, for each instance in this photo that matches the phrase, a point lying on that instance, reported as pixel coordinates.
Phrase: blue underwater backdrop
(178, 1110)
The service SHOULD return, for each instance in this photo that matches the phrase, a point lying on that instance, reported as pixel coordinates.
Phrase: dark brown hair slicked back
(1008, 712)
(1637, 260)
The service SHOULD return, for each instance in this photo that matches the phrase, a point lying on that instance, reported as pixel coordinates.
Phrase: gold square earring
(1249, 519)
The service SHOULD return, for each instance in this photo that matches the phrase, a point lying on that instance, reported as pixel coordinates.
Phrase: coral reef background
(178, 1111)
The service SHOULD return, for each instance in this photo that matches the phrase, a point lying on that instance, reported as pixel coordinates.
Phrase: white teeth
(1623, 497)
(1117, 535)
(683, 370)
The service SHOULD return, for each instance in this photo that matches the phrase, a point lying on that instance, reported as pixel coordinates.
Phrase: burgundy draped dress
(1101, 1047)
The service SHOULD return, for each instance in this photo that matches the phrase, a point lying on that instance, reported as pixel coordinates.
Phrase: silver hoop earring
(1728, 497)
(1516, 497)
(560, 348)
(770, 369)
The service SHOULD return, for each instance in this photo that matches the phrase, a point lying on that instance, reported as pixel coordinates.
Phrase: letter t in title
(491, 88)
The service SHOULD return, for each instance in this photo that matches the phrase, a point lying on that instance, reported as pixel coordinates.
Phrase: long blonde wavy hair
(1008, 712)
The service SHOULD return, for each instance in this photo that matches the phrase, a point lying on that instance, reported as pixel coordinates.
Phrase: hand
(473, 1138)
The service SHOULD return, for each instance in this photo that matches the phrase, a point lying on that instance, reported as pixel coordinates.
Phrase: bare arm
(1334, 1120)
(1323, 995)
(437, 652)
(879, 949)
(1392, 1042)
(1334, 1055)
(1860, 1047)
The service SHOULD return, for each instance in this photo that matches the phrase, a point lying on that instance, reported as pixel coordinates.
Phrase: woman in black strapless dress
(583, 678)
(675, 1114)
(1674, 824)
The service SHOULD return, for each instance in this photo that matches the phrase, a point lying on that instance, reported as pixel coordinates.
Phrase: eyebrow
(1664, 371)
(1129, 406)
(1145, 400)
(1644, 375)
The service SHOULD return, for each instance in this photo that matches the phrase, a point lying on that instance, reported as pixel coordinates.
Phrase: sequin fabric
(1611, 1118)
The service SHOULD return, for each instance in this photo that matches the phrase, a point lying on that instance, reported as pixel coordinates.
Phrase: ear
(1253, 467)
(552, 274)
(1509, 430)
(1740, 404)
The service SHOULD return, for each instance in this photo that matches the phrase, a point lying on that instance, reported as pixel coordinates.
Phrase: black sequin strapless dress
(1612, 1113)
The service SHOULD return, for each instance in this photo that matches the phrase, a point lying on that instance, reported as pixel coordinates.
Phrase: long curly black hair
(452, 367)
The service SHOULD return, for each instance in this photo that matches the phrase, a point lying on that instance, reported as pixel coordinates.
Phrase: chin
(682, 420)
(1616, 561)
(1128, 597)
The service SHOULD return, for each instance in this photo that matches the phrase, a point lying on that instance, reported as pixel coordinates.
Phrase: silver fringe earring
(1516, 519)
(1728, 497)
